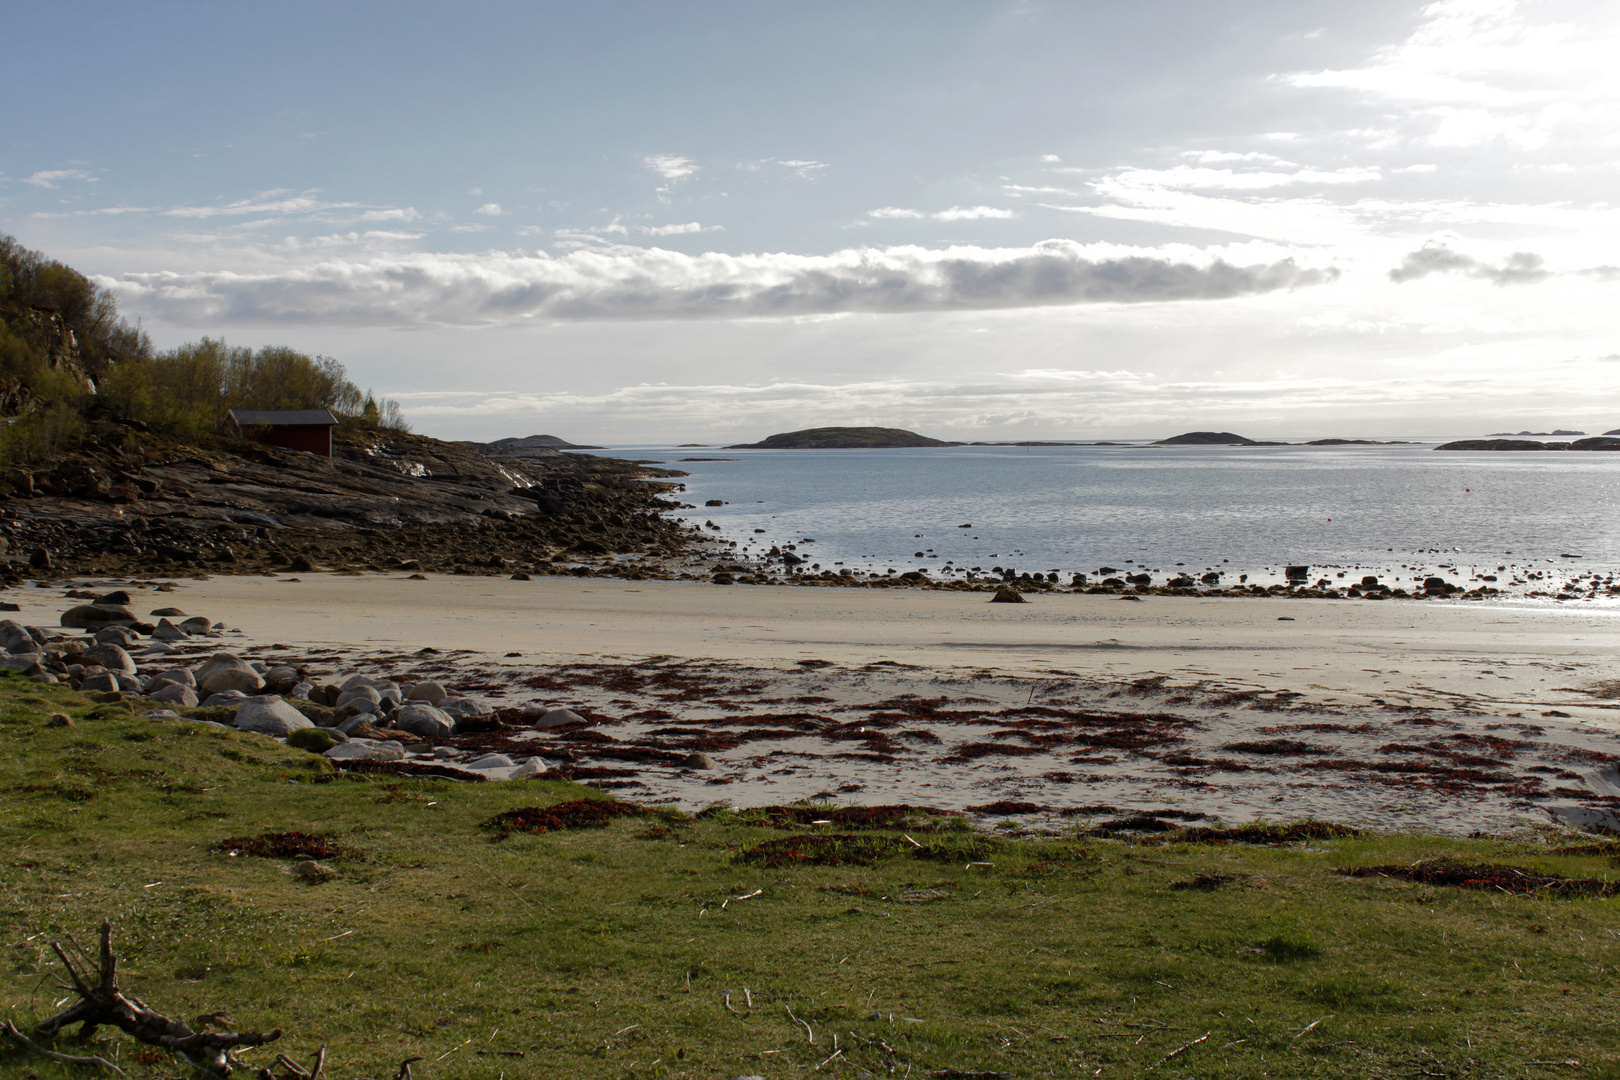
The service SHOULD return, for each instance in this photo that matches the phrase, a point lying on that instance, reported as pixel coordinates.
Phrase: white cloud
(973, 213)
(50, 178)
(672, 167)
(404, 213)
(804, 169)
(677, 230)
(490, 209)
(276, 202)
(955, 213)
(1186, 176)
(618, 283)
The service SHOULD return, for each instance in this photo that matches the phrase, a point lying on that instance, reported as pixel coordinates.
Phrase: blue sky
(636, 222)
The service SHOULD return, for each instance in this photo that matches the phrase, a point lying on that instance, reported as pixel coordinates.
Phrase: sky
(709, 220)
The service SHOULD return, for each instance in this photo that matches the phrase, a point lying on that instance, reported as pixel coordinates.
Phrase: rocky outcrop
(385, 500)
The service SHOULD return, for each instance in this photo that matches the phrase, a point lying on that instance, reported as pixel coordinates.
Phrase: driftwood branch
(9, 1030)
(101, 1002)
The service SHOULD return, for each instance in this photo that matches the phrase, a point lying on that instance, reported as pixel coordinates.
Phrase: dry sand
(1363, 685)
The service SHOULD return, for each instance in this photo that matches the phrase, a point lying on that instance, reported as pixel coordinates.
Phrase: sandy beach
(1451, 717)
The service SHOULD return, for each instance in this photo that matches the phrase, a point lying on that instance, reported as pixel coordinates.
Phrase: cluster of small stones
(360, 718)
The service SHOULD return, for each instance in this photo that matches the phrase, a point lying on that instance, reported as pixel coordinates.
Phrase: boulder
(196, 625)
(118, 635)
(280, 679)
(224, 697)
(111, 658)
(224, 671)
(15, 638)
(95, 616)
(464, 707)
(367, 751)
(113, 599)
(1005, 595)
(270, 716)
(24, 662)
(355, 682)
(180, 675)
(317, 740)
(490, 761)
(168, 613)
(430, 692)
(422, 719)
(175, 694)
(359, 693)
(557, 718)
(533, 767)
(302, 690)
(101, 680)
(167, 631)
(697, 761)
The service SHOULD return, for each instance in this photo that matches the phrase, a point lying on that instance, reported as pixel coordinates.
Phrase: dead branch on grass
(101, 1002)
(9, 1030)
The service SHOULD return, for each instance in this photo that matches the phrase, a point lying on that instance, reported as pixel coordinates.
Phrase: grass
(614, 950)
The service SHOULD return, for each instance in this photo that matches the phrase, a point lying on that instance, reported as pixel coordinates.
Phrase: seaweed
(820, 849)
(576, 814)
(1004, 808)
(1517, 880)
(284, 845)
(1276, 748)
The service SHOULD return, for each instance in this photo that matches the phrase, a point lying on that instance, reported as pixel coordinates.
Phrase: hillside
(118, 459)
(843, 438)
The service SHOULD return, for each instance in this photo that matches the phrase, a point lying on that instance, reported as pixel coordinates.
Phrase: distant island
(1554, 432)
(843, 438)
(530, 446)
(1599, 442)
(1226, 438)
(549, 441)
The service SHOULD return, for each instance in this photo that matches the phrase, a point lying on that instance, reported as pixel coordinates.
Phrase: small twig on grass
(1308, 1027)
(725, 997)
(10, 1031)
(1180, 1048)
(404, 1072)
(450, 1051)
(835, 1053)
(801, 1023)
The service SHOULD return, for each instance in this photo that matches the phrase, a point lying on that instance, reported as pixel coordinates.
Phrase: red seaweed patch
(820, 849)
(577, 814)
(1276, 748)
(1006, 808)
(1509, 879)
(283, 845)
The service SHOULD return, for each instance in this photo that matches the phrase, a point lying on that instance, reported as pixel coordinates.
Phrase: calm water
(1234, 509)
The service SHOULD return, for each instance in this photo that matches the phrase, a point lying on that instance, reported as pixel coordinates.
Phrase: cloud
(277, 201)
(1521, 267)
(490, 209)
(955, 213)
(677, 230)
(1187, 176)
(630, 283)
(49, 178)
(973, 213)
(404, 213)
(672, 167)
(803, 169)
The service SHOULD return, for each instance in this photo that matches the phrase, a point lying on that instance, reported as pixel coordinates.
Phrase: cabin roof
(283, 418)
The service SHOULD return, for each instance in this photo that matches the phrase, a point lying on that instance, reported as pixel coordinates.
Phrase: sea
(1395, 511)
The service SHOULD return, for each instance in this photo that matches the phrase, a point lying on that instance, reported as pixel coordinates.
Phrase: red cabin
(309, 430)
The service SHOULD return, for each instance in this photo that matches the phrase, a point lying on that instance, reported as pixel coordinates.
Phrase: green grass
(608, 951)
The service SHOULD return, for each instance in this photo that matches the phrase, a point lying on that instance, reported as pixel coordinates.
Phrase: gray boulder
(280, 679)
(270, 716)
(362, 750)
(354, 682)
(175, 694)
(196, 625)
(167, 631)
(20, 661)
(359, 693)
(490, 761)
(95, 616)
(101, 680)
(117, 635)
(111, 658)
(224, 697)
(430, 692)
(557, 718)
(301, 690)
(223, 672)
(15, 638)
(463, 707)
(180, 675)
(420, 719)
